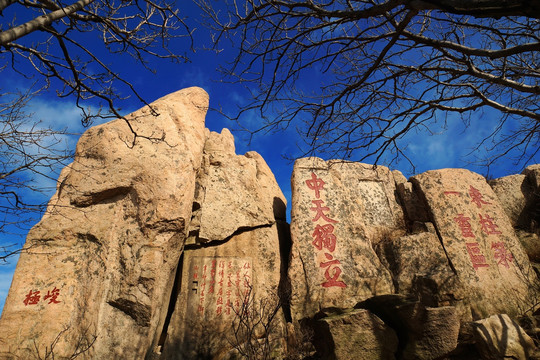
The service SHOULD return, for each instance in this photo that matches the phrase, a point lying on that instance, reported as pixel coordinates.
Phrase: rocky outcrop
(162, 243)
(441, 247)
(231, 266)
(339, 211)
(101, 262)
(158, 233)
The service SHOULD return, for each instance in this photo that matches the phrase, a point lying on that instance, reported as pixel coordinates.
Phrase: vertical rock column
(97, 270)
(231, 265)
(479, 241)
(340, 210)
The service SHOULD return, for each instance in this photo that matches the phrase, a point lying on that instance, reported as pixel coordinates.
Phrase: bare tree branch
(41, 21)
(45, 40)
(356, 77)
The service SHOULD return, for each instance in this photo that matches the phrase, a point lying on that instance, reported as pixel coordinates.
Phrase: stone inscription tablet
(218, 285)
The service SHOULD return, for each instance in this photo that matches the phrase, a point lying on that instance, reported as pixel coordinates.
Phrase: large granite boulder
(354, 335)
(231, 267)
(339, 211)
(424, 332)
(101, 262)
(479, 241)
(110, 249)
(500, 337)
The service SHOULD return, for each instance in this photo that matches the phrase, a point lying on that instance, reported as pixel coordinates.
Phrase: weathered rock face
(224, 282)
(479, 241)
(499, 337)
(520, 197)
(108, 246)
(241, 187)
(419, 266)
(109, 249)
(512, 192)
(339, 210)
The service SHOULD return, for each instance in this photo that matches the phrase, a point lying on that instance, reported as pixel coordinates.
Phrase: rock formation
(162, 243)
(426, 257)
(339, 211)
(105, 272)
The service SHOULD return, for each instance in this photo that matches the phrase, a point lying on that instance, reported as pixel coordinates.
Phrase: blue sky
(443, 149)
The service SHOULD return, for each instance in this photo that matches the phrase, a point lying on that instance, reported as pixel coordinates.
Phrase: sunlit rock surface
(162, 243)
(340, 210)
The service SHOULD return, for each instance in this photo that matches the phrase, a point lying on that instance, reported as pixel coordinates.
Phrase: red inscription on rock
(332, 280)
(319, 211)
(501, 255)
(222, 283)
(323, 235)
(452, 193)
(464, 225)
(315, 184)
(477, 258)
(488, 226)
(52, 296)
(477, 197)
(32, 298)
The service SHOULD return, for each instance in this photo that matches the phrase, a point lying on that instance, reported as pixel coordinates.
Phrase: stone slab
(479, 241)
(339, 210)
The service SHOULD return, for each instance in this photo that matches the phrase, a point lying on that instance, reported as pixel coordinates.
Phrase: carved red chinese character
(324, 237)
(319, 211)
(488, 226)
(332, 280)
(502, 255)
(452, 193)
(478, 260)
(52, 296)
(464, 225)
(32, 298)
(315, 184)
(477, 197)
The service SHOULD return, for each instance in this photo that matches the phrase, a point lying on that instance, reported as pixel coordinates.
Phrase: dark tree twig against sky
(381, 70)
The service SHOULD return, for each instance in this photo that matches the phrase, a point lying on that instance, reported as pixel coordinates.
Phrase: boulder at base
(499, 337)
(354, 335)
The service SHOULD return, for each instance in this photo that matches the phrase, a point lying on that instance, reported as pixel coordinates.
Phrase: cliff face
(168, 245)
